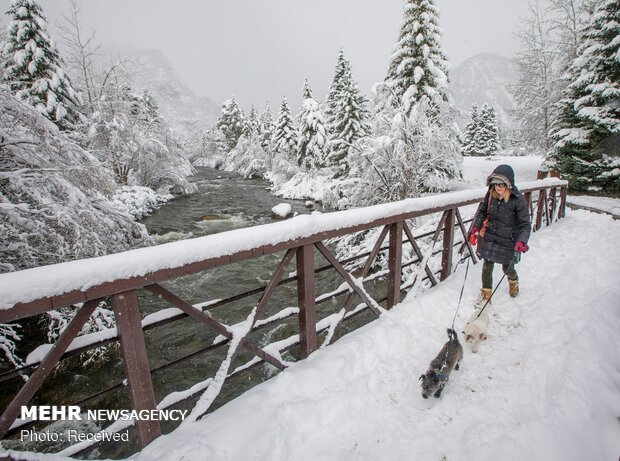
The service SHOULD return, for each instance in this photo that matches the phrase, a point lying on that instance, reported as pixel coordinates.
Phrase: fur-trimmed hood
(505, 174)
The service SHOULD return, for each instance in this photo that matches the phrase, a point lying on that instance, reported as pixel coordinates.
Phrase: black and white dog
(436, 377)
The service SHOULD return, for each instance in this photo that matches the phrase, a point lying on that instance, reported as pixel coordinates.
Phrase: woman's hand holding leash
(521, 247)
(472, 235)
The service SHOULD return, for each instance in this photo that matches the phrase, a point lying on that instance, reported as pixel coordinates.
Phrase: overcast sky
(259, 50)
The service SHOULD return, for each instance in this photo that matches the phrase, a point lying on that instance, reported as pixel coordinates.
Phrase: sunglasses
(500, 185)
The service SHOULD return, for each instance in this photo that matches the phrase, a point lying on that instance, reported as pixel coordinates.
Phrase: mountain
(483, 78)
(181, 108)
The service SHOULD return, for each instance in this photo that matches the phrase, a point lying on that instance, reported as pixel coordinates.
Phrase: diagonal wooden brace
(212, 323)
(418, 253)
(46, 366)
(369, 262)
(347, 277)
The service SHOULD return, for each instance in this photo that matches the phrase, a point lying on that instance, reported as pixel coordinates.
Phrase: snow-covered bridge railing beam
(85, 283)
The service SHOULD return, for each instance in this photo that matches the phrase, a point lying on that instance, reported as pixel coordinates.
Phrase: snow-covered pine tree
(312, 142)
(587, 145)
(231, 122)
(537, 88)
(266, 125)
(251, 127)
(347, 116)
(285, 135)
(33, 69)
(487, 140)
(418, 67)
(265, 133)
(416, 138)
(335, 88)
(470, 137)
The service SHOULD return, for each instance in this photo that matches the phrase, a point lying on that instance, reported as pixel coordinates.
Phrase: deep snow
(545, 385)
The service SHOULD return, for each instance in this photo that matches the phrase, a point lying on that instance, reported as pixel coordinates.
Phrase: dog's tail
(452, 335)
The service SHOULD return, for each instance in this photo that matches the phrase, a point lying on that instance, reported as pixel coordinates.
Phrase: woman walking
(502, 223)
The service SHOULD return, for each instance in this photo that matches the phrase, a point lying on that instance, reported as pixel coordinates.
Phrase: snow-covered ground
(545, 385)
(606, 204)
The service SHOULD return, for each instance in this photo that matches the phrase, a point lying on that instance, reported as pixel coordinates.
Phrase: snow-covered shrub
(416, 155)
(54, 196)
(139, 201)
(101, 319)
(8, 338)
(248, 158)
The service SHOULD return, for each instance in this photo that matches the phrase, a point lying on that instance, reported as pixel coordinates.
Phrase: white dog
(475, 329)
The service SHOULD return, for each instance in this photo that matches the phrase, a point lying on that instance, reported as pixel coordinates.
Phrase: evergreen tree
(33, 69)
(347, 116)
(312, 142)
(470, 137)
(285, 134)
(487, 140)
(588, 136)
(414, 113)
(335, 89)
(266, 126)
(231, 122)
(418, 67)
(251, 126)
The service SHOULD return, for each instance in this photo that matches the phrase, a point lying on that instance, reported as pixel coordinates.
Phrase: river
(224, 201)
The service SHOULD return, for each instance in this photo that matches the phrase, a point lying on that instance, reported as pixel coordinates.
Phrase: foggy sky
(261, 50)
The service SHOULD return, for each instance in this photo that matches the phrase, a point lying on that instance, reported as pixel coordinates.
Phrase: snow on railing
(81, 275)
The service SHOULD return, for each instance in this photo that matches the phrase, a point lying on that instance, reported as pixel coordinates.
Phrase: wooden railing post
(448, 243)
(562, 212)
(395, 262)
(552, 203)
(542, 203)
(135, 362)
(305, 298)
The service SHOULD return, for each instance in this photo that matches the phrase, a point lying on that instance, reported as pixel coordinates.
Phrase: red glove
(521, 247)
(472, 235)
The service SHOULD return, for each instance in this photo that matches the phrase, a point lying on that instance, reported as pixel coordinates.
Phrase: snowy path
(545, 385)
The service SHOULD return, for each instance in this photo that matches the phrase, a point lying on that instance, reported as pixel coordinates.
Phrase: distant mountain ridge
(484, 78)
(181, 108)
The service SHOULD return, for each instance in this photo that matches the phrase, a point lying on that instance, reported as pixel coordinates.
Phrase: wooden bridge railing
(85, 283)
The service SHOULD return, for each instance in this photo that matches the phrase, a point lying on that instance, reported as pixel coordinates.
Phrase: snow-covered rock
(282, 211)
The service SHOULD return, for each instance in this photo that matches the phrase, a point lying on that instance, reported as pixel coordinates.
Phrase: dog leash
(461, 295)
(445, 360)
(489, 300)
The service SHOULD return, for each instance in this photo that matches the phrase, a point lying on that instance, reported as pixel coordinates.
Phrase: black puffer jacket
(509, 221)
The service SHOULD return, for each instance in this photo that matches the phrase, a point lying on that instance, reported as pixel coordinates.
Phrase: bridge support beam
(135, 362)
(395, 262)
(305, 298)
(448, 243)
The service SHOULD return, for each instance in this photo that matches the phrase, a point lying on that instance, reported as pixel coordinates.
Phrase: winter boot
(513, 287)
(485, 294)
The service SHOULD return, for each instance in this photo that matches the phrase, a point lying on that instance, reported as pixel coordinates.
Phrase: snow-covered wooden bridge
(86, 283)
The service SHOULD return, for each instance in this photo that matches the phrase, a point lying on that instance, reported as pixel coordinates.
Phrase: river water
(224, 201)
